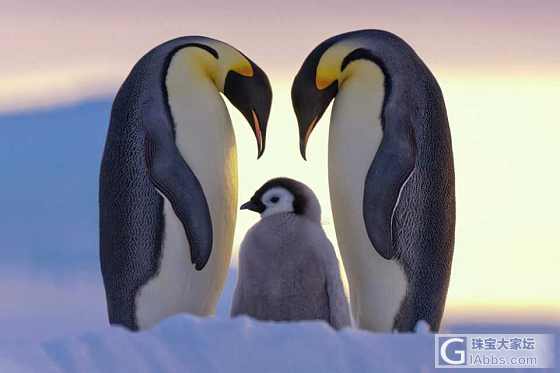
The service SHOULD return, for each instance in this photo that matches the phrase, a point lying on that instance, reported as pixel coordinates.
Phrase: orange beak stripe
(310, 129)
(257, 130)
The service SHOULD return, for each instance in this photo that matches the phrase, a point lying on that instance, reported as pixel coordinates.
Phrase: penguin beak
(305, 132)
(253, 206)
(252, 96)
(309, 103)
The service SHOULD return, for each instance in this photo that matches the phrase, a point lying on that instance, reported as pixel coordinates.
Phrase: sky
(498, 64)
(68, 50)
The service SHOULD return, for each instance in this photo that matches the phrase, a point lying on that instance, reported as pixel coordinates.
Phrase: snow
(189, 344)
(60, 326)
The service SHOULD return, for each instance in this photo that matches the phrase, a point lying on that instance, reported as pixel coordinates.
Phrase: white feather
(377, 286)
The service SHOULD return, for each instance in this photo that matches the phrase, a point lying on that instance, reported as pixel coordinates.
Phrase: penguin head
(243, 82)
(252, 96)
(284, 195)
(318, 81)
(247, 87)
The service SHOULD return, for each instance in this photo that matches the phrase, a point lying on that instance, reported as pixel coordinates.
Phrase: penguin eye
(274, 199)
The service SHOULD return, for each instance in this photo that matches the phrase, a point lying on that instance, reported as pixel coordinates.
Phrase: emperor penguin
(288, 270)
(168, 183)
(391, 176)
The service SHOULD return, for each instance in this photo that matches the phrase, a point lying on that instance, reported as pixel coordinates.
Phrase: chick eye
(274, 199)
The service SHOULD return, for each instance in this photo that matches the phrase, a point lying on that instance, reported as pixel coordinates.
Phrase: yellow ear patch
(323, 82)
(327, 73)
(328, 68)
(244, 69)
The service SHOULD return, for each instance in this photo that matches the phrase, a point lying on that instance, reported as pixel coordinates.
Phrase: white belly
(205, 138)
(377, 286)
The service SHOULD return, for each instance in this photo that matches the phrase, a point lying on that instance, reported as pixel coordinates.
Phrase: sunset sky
(498, 63)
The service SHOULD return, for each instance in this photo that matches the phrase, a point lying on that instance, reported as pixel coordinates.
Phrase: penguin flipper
(173, 177)
(390, 170)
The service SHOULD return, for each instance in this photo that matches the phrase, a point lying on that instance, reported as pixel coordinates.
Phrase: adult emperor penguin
(391, 174)
(288, 270)
(168, 184)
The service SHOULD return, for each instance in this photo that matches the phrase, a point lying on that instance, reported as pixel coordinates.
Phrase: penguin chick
(288, 270)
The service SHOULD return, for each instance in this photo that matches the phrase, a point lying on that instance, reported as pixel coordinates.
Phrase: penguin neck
(198, 110)
(360, 77)
(360, 97)
(193, 95)
(196, 66)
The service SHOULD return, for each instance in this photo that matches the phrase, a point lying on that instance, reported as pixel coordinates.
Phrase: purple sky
(69, 50)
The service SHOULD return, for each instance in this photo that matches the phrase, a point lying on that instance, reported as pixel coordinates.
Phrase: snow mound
(189, 344)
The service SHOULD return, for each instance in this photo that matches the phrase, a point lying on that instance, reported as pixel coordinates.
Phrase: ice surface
(190, 344)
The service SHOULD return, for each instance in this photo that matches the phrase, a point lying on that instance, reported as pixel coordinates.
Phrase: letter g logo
(457, 355)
